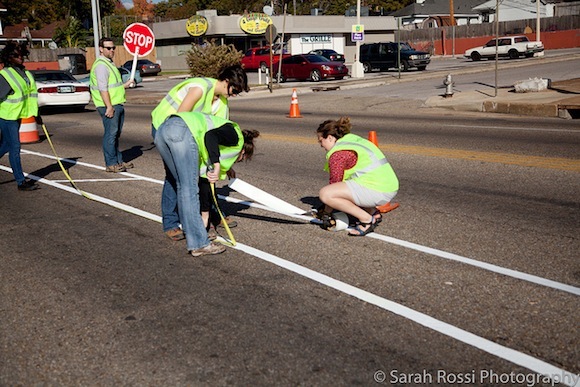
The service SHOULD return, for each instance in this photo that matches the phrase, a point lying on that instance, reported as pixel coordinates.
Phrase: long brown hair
(338, 128)
(248, 147)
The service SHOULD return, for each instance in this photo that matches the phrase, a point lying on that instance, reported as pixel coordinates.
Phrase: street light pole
(357, 68)
(96, 26)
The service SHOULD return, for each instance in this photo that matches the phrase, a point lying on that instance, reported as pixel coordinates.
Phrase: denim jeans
(180, 153)
(113, 127)
(169, 214)
(11, 144)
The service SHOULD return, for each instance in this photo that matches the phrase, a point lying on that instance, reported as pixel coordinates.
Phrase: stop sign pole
(138, 40)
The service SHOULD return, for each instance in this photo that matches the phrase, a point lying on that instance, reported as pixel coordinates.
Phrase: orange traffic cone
(373, 137)
(28, 132)
(294, 109)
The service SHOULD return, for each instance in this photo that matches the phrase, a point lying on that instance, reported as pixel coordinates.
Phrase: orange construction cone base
(387, 207)
(28, 132)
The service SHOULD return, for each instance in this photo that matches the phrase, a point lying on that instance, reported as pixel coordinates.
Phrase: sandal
(359, 228)
(377, 216)
(175, 235)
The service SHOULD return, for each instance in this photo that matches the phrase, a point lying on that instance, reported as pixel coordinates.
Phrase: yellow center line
(558, 163)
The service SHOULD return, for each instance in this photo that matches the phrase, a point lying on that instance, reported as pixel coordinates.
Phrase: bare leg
(338, 196)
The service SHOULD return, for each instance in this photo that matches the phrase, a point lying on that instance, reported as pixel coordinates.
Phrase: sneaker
(128, 165)
(211, 234)
(212, 248)
(231, 223)
(116, 168)
(28, 185)
(175, 235)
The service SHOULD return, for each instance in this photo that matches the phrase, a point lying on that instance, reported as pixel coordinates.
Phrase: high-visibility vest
(23, 102)
(170, 103)
(199, 124)
(115, 82)
(372, 169)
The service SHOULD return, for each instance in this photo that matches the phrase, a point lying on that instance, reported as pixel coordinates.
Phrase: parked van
(384, 56)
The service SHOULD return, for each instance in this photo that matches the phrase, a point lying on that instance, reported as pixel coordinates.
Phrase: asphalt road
(473, 280)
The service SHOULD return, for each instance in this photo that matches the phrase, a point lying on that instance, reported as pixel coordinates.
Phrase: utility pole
(496, 41)
(452, 21)
(538, 20)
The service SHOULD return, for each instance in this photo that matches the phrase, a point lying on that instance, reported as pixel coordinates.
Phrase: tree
(72, 34)
(209, 59)
(143, 9)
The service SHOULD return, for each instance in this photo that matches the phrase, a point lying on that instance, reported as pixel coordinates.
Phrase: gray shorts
(365, 197)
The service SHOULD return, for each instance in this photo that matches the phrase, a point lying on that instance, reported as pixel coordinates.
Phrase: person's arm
(193, 95)
(339, 162)
(102, 74)
(5, 89)
(225, 135)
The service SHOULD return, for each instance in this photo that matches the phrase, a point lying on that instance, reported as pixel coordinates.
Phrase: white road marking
(536, 365)
(410, 245)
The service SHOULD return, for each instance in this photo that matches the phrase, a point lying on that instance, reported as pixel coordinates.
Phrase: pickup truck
(259, 57)
(508, 46)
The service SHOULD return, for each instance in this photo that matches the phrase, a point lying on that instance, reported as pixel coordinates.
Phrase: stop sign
(138, 39)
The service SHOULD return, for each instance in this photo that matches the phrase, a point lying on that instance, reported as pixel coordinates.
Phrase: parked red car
(313, 67)
(259, 57)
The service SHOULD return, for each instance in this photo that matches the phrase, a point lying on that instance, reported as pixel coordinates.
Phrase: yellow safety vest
(170, 103)
(199, 124)
(116, 88)
(372, 169)
(23, 102)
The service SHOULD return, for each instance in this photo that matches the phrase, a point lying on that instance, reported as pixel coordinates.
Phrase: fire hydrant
(448, 82)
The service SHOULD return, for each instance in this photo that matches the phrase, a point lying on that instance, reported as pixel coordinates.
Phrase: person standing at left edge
(108, 93)
(18, 99)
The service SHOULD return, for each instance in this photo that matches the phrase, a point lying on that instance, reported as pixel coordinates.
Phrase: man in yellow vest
(18, 99)
(108, 93)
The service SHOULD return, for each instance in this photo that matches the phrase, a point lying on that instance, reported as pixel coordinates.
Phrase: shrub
(209, 59)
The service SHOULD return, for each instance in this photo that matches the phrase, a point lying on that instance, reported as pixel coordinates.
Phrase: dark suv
(384, 56)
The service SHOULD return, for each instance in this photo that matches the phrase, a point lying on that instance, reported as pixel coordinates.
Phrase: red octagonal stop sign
(138, 39)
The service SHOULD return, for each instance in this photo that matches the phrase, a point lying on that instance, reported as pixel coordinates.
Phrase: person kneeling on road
(361, 178)
(212, 144)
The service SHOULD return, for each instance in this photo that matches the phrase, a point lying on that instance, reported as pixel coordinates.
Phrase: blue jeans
(11, 144)
(169, 214)
(180, 153)
(113, 127)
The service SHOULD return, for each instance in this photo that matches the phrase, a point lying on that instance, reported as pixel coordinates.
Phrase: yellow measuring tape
(86, 195)
(232, 240)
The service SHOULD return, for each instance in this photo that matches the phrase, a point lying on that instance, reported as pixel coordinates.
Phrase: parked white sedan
(58, 88)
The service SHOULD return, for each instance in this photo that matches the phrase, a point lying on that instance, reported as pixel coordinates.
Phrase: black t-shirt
(225, 135)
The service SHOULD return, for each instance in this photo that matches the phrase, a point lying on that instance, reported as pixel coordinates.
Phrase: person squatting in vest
(108, 93)
(211, 143)
(361, 177)
(18, 99)
(205, 95)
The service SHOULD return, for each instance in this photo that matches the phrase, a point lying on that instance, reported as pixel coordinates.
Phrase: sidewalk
(561, 100)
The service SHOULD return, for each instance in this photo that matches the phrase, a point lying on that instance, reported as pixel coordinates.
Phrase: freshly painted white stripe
(439, 253)
(427, 321)
(511, 355)
(97, 198)
(442, 254)
(96, 180)
(482, 265)
(71, 161)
